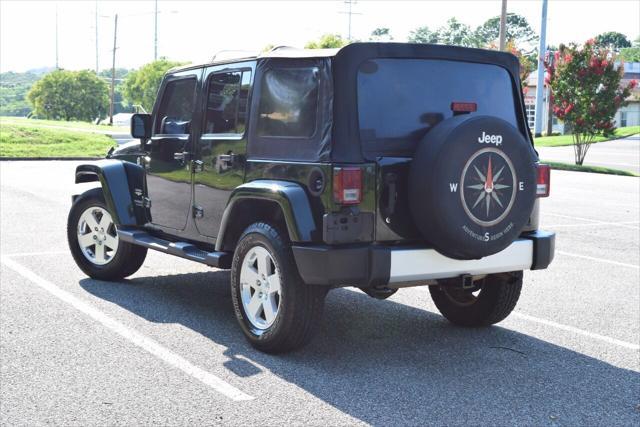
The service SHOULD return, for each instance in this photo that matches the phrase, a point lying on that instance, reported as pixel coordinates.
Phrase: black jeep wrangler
(377, 166)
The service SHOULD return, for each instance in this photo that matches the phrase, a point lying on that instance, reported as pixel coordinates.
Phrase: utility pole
(350, 12)
(97, 69)
(113, 68)
(540, 82)
(155, 36)
(503, 25)
(57, 67)
(549, 102)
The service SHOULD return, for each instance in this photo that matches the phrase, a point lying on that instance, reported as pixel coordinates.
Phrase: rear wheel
(94, 243)
(490, 302)
(276, 310)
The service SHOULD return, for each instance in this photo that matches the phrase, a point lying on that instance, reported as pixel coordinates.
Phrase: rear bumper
(374, 265)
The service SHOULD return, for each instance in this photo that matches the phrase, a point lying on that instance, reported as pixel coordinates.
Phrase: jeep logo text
(490, 139)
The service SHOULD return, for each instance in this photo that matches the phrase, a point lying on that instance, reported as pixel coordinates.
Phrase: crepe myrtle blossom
(587, 91)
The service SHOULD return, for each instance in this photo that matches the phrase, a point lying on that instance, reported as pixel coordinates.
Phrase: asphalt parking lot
(164, 347)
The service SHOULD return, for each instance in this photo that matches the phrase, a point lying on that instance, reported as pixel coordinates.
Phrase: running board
(181, 249)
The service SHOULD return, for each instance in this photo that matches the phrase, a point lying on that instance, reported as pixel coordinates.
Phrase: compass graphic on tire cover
(488, 187)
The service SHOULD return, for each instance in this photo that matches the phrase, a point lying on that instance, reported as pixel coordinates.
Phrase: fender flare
(114, 177)
(290, 197)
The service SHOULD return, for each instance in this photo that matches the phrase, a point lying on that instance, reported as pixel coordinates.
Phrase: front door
(167, 163)
(221, 150)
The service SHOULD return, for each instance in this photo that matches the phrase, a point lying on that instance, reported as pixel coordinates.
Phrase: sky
(195, 30)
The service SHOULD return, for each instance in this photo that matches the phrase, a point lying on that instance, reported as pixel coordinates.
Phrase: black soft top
(337, 138)
(346, 146)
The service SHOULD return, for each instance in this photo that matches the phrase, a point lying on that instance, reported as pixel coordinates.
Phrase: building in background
(625, 116)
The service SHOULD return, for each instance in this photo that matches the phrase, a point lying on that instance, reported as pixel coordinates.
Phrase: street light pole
(503, 25)
(540, 82)
(113, 68)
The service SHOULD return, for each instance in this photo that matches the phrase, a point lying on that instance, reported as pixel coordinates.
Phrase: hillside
(13, 92)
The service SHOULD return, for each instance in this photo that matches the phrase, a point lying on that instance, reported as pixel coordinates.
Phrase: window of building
(623, 119)
(176, 108)
(227, 99)
(531, 115)
(289, 102)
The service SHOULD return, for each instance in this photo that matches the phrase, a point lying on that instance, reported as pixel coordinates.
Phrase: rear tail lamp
(543, 186)
(347, 185)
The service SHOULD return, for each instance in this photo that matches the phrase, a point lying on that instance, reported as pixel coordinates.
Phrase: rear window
(399, 100)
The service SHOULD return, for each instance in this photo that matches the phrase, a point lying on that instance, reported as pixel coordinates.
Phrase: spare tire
(472, 186)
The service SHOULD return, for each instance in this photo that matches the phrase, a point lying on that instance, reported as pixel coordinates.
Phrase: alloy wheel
(97, 235)
(260, 287)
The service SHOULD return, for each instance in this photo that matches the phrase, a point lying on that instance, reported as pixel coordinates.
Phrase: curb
(47, 158)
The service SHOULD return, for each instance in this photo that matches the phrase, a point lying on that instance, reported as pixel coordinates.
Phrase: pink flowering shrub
(586, 92)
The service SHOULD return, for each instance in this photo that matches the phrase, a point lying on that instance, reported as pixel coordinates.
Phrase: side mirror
(141, 126)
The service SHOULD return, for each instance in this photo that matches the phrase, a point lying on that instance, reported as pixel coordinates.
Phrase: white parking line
(606, 261)
(156, 349)
(37, 253)
(594, 221)
(567, 328)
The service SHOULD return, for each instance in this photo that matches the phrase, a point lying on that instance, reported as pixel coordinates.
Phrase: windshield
(399, 100)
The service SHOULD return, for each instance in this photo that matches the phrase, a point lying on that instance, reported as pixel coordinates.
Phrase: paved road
(164, 347)
(619, 154)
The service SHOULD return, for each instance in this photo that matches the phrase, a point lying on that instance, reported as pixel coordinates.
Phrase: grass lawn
(62, 123)
(593, 169)
(561, 140)
(23, 140)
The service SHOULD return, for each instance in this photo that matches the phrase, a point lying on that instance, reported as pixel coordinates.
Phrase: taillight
(347, 185)
(543, 186)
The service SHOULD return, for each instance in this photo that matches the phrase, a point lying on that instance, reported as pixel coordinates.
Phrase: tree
(140, 87)
(69, 95)
(327, 41)
(381, 34)
(630, 54)
(13, 93)
(587, 92)
(456, 33)
(422, 35)
(612, 40)
(518, 30)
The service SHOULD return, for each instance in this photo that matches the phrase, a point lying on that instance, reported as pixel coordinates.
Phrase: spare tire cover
(472, 186)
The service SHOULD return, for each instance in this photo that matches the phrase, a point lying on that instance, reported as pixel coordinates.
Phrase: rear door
(399, 101)
(168, 153)
(220, 152)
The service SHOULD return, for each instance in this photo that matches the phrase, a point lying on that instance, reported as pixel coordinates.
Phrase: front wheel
(490, 302)
(276, 310)
(94, 243)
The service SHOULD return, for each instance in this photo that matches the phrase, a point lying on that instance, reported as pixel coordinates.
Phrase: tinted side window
(289, 102)
(227, 99)
(176, 108)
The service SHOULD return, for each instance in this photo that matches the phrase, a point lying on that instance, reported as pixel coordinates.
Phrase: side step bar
(181, 249)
